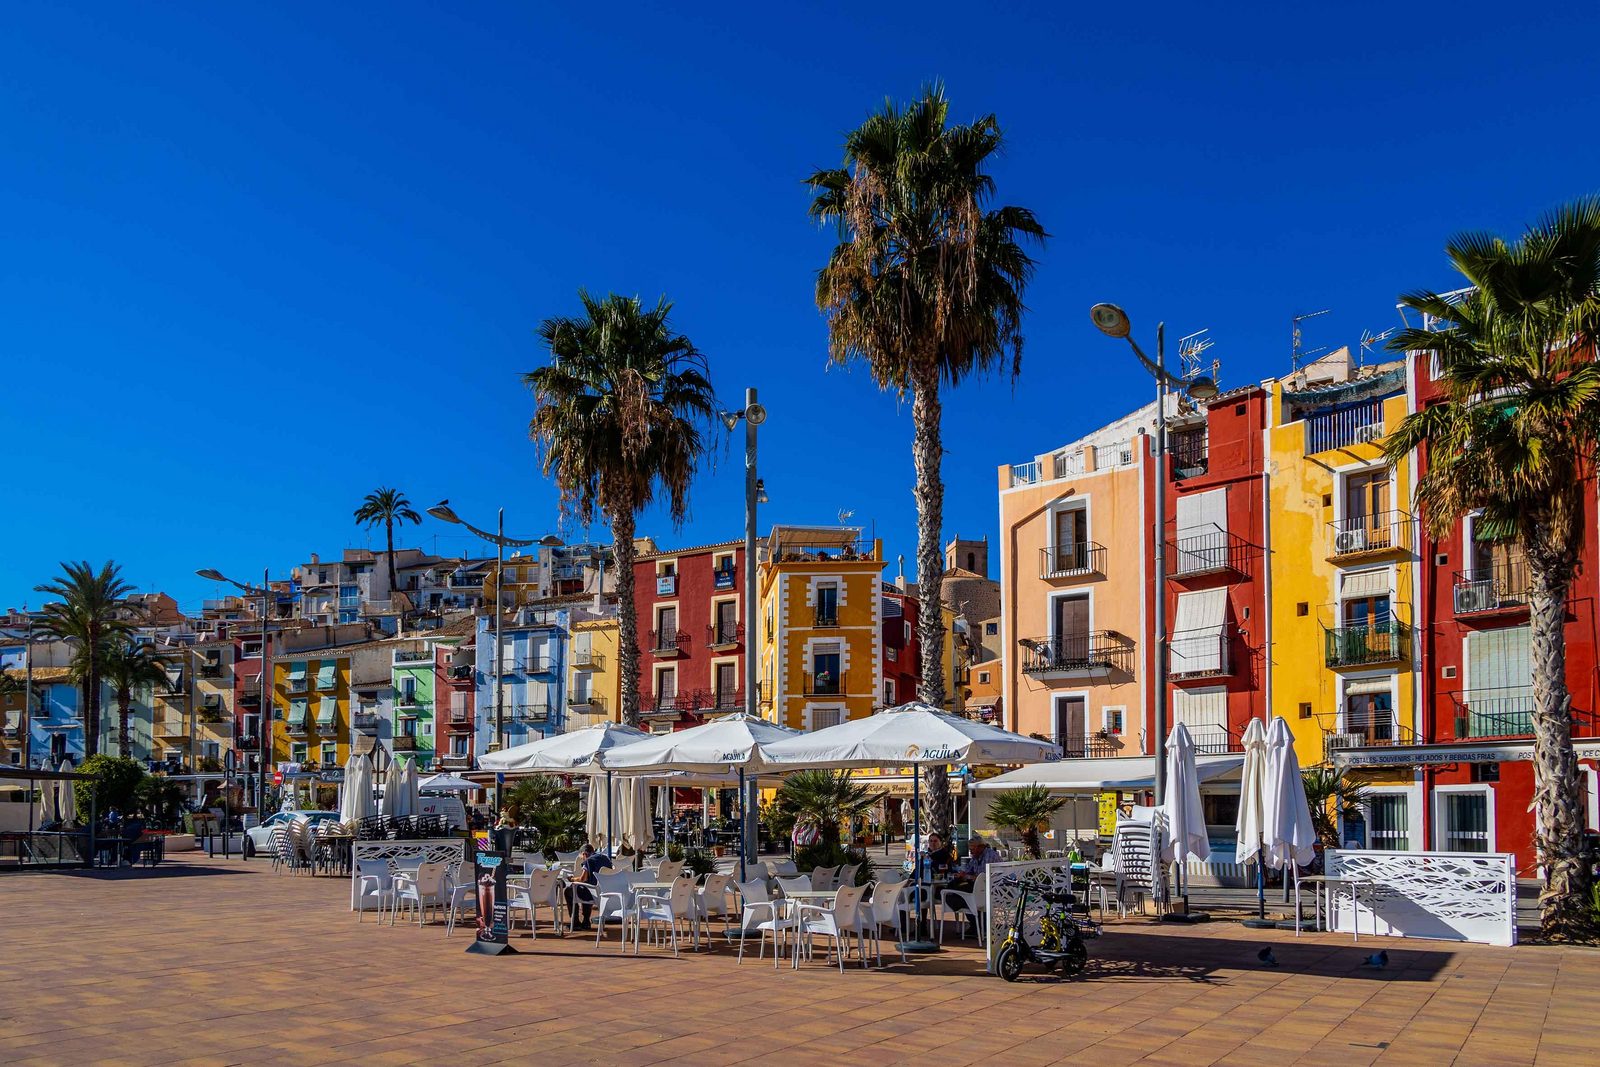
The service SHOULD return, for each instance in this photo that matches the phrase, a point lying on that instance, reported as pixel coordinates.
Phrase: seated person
(979, 855)
(590, 864)
(939, 857)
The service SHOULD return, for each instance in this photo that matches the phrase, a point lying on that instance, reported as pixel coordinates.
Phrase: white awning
(1103, 775)
(1196, 643)
(1359, 584)
(1365, 686)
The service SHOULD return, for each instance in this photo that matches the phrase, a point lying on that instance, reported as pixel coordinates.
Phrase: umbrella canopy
(395, 798)
(1286, 831)
(730, 743)
(1252, 791)
(1183, 829)
(446, 783)
(578, 752)
(911, 733)
(413, 794)
(356, 786)
(1102, 775)
(66, 797)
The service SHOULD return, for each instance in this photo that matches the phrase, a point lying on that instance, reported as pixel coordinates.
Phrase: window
(1391, 831)
(1072, 724)
(460, 706)
(458, 744)
(250, 649)
(667, 687)
(1369, 710)
(330, 754)
(826, 660)
(1111, 720)
(325, 711)
(822, 718)
(1202, 531)
(1464, 819)
(1205, 713)
(990, 629)
(727, 624)
(1070, 544)
(1198, 644)
(726, 688)
(888, 692)
(408, 727)
(827, 604)
(297, 714)
(666, 627)
(1069, 628)
(252, 726)
(972, 561)
(983, 677)
(211, 750)
(511, 574)
(298, 752)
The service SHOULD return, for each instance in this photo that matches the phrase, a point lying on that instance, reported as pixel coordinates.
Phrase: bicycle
(1060, 939)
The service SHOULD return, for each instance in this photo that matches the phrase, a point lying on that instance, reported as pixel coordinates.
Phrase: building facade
(593, 683)
(690, 605)
(528, 674)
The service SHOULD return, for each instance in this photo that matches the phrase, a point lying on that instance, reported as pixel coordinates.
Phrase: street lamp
(755, 493)
(266, 706)
(378, 759)
(1112, 321)
(443, 512)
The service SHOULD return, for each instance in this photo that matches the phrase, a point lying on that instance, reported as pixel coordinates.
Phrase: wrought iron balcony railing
(825, 618)
(1095, 747)
(1208, 551)
(413, 656)
(528, 713)
(668, 642)
(1356, 646)
(1501, 712)
(724, 636)
(1500, 586)
(404, 742)
(1079, 559)
(1101, 652)
(1203, 653)
(823, 684)
(587, 659)
(1375, 534)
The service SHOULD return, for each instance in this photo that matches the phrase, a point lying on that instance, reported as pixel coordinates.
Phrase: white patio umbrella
(578, 752)
(356, 785)
(1287, 835)
(66, 797)
(1252, 807)
(413, 794)
(446, 783)
(1183, 821)
(911, 734)
(395, 797)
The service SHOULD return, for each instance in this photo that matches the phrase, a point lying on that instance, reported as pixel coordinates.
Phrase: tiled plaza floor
(220, 962)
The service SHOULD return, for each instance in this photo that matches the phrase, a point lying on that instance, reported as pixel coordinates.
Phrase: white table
(1330, 886)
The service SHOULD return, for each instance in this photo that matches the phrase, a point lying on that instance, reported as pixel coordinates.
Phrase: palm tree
(826, 799)
(1514, 438)
(1026, 811)
(1328, 794)
(91, 615)
(387, 506)
(545, 804)
(617, 417)
(925, 287)
(130, 665)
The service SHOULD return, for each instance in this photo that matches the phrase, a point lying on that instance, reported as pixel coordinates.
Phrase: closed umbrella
(1252, 806)
(66, 798)
(912, 734)
(1183, 822)
(394, 791)
(637, 830)
(1287, 835)
(349, 800)
(413, 794)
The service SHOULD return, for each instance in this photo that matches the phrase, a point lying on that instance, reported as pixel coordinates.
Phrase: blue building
(530, 671)
(55, 729)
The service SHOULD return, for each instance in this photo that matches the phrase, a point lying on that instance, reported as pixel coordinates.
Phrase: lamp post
(753, 415)
(378, 759)
(444, 513)
(1112, 321)
(264, 741)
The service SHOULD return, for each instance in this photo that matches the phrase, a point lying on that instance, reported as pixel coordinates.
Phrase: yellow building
(311, 709)
(593, 683)
(213, 700)
(1344, 572)
(820, 620)
(523, 581)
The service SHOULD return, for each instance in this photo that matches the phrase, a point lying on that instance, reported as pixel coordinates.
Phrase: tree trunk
(927, 455)
(1030, 841)
(1564, 906)
(394, 583)
(124, 719)
(627, 618)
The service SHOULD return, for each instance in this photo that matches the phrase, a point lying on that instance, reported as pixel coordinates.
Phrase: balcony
(410, 701)
(665, 706)
(1370, 732)
(1079, 560)
(590, 704)
(1207, 551)
(413, 656)
(1078, 655)
(527, 665)
(1366, 645)
(171, 728)
(1370, 535)
(247, 742)
(1493, 713)
(1188, 455)
(528, 713)
(297, 729)
(1354, 424)
(723, 702)
(1213, 740)
(454, 762)
(404, 742)
(822, 684)
(466, 581)
(668, 642)
(587, 659)
(210, 669)
(462, 673)
(1200, 653)
(724, 636)
(1096, 747)
(1501, 586)
(825, 618)
(366, 722)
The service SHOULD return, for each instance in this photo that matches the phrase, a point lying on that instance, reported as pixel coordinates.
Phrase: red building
(690, 604)
(902, 649)
(1476, 682)
(454, 689)
(1216, 569)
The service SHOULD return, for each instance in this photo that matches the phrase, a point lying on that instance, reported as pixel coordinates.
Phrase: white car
(259, 838)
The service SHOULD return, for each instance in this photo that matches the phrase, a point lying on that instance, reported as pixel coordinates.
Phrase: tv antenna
(1299, 355)
(1190, 350)
(1369, 341)
(845, 515)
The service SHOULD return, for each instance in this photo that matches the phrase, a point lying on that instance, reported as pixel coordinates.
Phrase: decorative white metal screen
(1005, 887)
(1447, 896)
(437, 850)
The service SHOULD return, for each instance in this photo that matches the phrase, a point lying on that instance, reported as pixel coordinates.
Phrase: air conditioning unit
(1368, 434)
(1474, 596)
(1350, 541)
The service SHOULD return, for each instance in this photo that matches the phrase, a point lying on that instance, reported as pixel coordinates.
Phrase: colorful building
(593, 683)
(311, 702)
(901, 641)
(528, 673)
(690, 605)
(414, 668)
(821, 622)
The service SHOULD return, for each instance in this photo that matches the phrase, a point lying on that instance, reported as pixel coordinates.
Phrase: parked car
(259, 838)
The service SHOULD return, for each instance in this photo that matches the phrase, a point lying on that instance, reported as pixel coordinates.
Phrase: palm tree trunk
(927, 455)
(124, 718)
(394, 583)
(1564, 908)
(627, 618)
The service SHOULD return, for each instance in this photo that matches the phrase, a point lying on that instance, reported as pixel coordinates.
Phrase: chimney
(314, 559)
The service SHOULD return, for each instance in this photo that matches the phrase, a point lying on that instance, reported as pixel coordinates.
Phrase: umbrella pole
(917, 943)
(741, 825)
(611, 834)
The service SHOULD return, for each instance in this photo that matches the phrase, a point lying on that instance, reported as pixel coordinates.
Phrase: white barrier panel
(1445, 896)
(1005, 888)
(433, 850)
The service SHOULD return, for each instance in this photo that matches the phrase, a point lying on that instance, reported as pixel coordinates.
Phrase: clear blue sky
(259, 261)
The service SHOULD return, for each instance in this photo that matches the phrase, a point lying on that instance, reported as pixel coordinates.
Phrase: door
(1464, 820)
(1070, 630)
(1202, 531)
(827, 605)
(825, 678)
(1071, 540)
(727, 685)
(1072, 726)
(1370, 716)
(666, 689)
(1368, 634)
(727, 622)
(667, 628)
(1366, 506)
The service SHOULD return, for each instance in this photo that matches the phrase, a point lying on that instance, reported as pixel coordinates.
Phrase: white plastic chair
(460, 893)
(420, 891)
(669, 871)
(847, 874)
(822, 878)
(762, 915)
(612, 896)
(782, 868)
(544, 891)
(976, 901)
(713, 898)
(840, 922)
(677, 905)
(798, 884)
(373, 879)
(890, 906)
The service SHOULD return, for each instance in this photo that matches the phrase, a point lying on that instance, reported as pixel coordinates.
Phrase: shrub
(115, 784)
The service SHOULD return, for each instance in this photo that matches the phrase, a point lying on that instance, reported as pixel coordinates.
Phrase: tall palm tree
(91, 615)
(617, 418)
(926, 288)
(1515, 437)
(130, 665)
(387, 506)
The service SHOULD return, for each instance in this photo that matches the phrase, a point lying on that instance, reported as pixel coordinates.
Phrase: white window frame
(1393, 679)
(888, 693)
(1071, 503)
(322, 752)
(1121, 711)
(1055, 718)
(1414, 814)
(811, 711)
(1440, 792)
